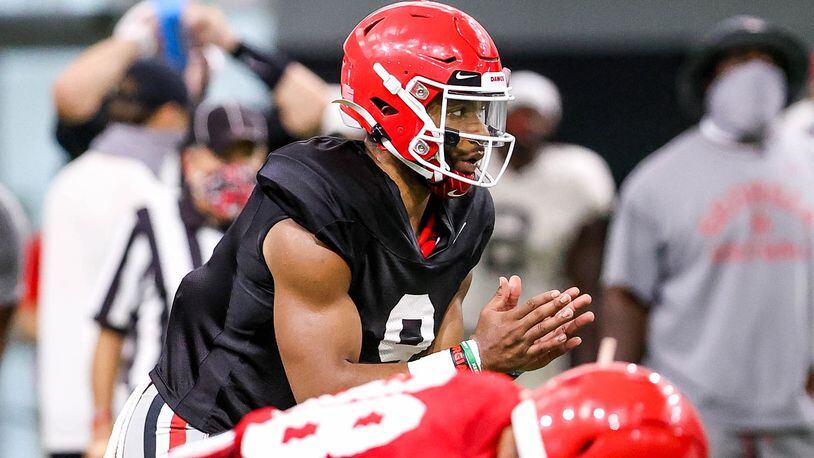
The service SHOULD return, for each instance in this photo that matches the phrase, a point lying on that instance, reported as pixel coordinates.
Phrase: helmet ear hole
(370, 27)
(385, 108)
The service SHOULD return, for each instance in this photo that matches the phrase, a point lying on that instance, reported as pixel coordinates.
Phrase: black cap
(153, 83)
(741, 33)
(221, 126)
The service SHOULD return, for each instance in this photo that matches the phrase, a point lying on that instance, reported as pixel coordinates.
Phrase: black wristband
(269, 67)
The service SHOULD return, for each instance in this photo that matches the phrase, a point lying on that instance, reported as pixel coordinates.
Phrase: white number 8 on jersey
(409, 329)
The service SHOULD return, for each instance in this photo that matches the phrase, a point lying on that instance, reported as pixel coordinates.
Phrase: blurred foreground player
(589, 412)
(352, 258)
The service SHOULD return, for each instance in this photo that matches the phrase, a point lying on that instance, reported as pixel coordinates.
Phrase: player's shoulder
(328, 171)
(320, 155)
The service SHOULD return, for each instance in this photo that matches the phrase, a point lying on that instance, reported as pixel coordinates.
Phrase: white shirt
(84, 205)
(797, 125)
(538, 212)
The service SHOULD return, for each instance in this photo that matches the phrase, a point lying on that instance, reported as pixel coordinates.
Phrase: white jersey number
(409, 329)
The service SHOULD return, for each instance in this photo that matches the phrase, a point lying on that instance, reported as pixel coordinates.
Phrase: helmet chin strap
(371, 122)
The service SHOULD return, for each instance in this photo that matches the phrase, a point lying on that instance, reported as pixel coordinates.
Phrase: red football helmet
(402, 57)
(610, 410)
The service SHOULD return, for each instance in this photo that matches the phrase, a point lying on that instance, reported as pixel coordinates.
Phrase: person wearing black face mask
(709, 267)
(162, 242)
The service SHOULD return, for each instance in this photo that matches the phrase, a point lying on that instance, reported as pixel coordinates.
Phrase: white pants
(147, 427)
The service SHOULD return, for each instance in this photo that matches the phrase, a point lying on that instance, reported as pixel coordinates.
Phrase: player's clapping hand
(528, 336)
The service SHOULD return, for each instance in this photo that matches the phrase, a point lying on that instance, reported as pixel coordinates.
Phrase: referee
(164, 241)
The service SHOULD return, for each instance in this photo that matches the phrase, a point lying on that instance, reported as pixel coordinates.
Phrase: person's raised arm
(80, 89)
(300, 96)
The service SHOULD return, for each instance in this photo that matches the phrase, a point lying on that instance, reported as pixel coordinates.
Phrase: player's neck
(414, 192)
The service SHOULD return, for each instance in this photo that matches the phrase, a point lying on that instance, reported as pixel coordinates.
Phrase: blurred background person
(548, 193)
(160, 244)
(709, 263)
(13, 235)
(149, 116)
(13, 228)
(798, 120)
(81, 92)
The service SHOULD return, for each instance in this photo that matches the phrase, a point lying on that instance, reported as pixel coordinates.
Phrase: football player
(351, 259)
(592, 411)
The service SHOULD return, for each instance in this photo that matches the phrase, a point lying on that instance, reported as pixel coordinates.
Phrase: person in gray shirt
(12, 233)
(709, 273)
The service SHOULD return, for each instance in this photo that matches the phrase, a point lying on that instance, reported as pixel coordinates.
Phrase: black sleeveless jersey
(220, 358)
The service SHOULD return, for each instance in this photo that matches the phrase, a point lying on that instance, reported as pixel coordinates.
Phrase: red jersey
(435, 415)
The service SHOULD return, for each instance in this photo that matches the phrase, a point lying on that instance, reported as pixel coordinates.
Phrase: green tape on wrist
(471, 359)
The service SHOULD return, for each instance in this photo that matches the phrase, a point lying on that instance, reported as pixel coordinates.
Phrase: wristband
(459, 358)
(439, 363)
(103, 416)
(470, 348)
(269, 67)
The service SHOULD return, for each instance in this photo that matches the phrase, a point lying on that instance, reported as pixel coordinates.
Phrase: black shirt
(220, 359)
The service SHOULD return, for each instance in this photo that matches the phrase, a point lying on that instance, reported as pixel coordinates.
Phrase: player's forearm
(319, 379)
(80, 89)
(6, 312)
(269, 67)
(625, 319)
(105, 369)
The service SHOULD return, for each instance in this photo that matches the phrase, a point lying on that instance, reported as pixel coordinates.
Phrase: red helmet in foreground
(610, 410)
(404, 56)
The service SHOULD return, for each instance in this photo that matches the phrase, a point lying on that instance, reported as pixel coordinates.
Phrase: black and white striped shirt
(156, 248)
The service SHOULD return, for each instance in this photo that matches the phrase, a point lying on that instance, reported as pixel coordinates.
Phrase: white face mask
(747, 98)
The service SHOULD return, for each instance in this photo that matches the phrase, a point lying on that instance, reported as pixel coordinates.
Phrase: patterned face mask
(227, 190)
